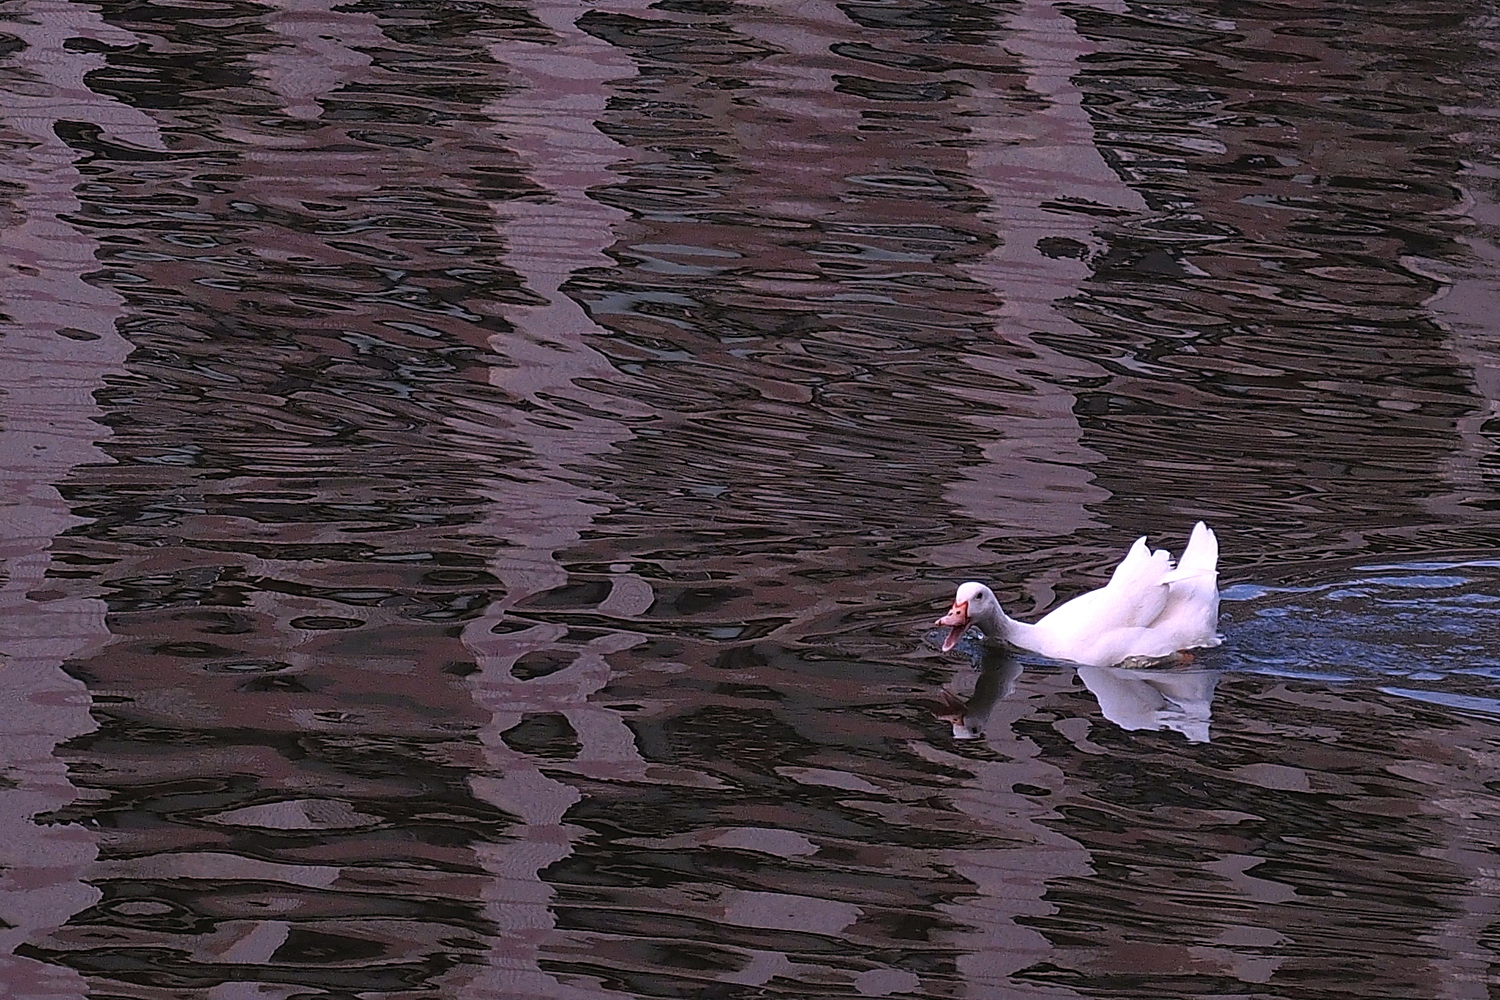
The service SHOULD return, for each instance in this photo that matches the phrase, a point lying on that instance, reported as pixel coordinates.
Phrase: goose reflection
(1136, 699)
(1133, 698)
(998, 671)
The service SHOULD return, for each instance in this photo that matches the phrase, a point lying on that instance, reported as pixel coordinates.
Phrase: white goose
(1148, 610)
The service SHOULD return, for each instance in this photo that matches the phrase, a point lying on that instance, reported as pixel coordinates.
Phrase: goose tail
(1201, 557)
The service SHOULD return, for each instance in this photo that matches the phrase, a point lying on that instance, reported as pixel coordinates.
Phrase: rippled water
(478, 480)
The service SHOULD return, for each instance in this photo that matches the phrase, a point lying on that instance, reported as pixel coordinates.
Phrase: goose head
(974, 604)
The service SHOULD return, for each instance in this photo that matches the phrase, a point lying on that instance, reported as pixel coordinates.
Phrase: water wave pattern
(1421, 621)
(514, 536)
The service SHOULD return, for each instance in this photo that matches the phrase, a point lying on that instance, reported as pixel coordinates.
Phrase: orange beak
(957, 620)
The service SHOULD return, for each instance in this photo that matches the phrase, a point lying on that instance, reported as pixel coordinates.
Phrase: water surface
(478, 480)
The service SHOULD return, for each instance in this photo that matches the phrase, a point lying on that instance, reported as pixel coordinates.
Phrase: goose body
(1149, 609)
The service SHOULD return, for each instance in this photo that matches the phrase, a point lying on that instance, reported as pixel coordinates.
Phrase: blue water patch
(1432, 622)
(1449, 699)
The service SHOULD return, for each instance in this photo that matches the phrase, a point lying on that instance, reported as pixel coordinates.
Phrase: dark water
(477, 480)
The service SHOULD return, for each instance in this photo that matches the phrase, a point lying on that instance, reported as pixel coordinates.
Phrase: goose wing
(1134, 597)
